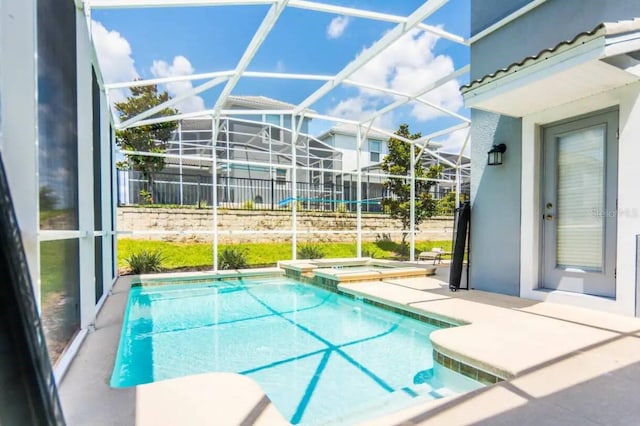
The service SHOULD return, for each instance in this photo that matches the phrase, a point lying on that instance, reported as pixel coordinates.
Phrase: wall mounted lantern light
(495, 154)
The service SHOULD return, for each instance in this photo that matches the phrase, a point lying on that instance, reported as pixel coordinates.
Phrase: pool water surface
(319, 356)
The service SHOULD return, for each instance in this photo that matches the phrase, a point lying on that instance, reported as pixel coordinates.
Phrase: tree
(398, 162)
(148, 138)
(48, 198)
(447, 204)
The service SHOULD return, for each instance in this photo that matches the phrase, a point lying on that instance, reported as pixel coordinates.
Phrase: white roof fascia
(620, 44)
(337, 130)
(539, 69)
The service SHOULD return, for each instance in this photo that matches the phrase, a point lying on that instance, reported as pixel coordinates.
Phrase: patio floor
(565, 365)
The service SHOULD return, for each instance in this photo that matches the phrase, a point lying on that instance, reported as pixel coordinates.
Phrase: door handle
(548, 217)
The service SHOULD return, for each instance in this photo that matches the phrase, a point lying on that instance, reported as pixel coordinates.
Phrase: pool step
(390, 403)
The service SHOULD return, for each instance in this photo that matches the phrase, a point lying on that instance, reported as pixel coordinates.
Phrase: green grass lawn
(52, 272)
(199, 255)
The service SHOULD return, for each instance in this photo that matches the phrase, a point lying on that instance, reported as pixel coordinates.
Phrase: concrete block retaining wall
(261, 222)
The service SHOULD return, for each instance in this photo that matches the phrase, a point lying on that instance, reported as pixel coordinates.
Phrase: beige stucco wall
(230, 222)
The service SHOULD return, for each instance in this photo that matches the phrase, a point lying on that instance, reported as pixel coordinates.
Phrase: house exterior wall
(495, 198)
(282, 120)
(505, 236)
(541, 28)
(348, 146)
(485, 13)
(627, 100)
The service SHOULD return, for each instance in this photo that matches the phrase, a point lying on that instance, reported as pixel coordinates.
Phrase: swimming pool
(319, 356)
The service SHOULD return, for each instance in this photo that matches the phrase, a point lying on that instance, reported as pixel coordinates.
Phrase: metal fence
(196, 190)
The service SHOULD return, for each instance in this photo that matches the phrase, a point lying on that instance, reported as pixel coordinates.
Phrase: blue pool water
(320, 357)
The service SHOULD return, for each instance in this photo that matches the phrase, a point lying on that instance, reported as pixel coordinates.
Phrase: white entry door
(579, 205)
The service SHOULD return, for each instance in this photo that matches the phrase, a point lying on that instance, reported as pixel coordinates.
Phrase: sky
(161, 42)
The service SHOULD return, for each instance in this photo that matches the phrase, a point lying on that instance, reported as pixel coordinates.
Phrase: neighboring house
(254, 160)
(247, 139)
(263, 103)
(344, 139)
(559, 220)
(449, 173)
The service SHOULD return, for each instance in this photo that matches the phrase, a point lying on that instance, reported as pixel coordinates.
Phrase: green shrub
(146, 197)
(232, 258)
(385, 243)
(341, 208)
(403, 251)
(248, 205)
(308, 251)
(145, 261)
(369, 253)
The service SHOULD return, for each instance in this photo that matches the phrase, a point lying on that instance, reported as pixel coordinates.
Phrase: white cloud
(352, 108)
(114, 55)
(447, 96)
(336, 27)
(180, 66)
(406, 66)
(117, 65)
(358, 108)
(454, 141)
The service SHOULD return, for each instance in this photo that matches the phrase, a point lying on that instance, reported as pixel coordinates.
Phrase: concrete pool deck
(366, 269)
(563, 365)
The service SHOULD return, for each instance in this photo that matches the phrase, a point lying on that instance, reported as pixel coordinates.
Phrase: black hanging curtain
(28, 394)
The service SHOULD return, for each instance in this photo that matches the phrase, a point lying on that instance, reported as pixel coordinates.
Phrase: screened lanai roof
(406, 64)
(258, 102)
(248, 139)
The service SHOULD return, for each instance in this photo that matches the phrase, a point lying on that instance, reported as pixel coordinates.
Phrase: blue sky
(163, 42)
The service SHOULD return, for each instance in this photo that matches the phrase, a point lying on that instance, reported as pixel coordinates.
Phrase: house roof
(592, 62)
(603, 29)
(351, 130)
(205, 124)
(453, 157)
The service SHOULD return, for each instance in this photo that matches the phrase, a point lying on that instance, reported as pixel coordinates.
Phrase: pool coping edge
(485, 374)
